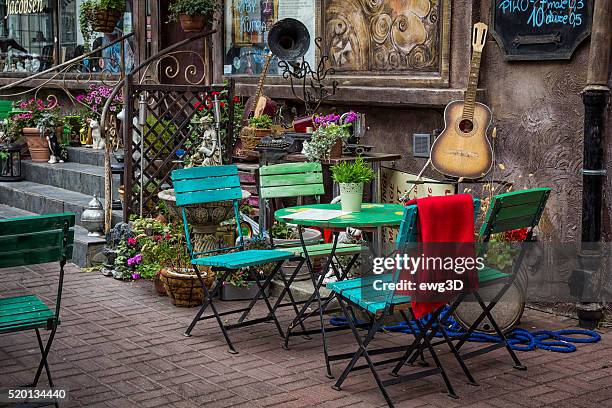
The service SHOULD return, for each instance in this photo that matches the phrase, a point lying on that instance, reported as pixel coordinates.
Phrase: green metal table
(371, 218)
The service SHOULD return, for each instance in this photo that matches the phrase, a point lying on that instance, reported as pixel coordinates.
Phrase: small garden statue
(55, 148)
(98, 141)
(206, 153)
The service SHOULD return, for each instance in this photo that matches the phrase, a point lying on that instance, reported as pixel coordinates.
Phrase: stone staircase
(57, 188)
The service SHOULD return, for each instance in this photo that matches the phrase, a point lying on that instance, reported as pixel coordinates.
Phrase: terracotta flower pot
(336, 150)
(192, 24)
(37, 144)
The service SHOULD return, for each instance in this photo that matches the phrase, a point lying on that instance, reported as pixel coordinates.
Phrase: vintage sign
(395, 183)
(24, 7)
(540, 29)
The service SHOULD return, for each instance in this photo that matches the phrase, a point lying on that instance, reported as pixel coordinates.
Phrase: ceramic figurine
(55, 149)
(98, 141)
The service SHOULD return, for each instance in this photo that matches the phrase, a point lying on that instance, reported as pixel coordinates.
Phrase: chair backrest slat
(199, 185)
(291, 180)
(515, 210)
(36, 239)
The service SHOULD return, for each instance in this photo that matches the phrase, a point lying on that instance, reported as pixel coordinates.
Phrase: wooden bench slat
(203, 172)
(208, 183)
(33, 256)
(290, 168)
(291, 179)
(13, 243)
(209, 196)
(35, 223)
(293, 191)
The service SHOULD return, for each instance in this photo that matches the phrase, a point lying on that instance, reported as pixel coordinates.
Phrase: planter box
(231, 292)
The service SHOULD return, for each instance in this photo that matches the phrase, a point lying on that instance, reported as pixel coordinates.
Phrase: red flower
(131, 241)
(236, 99)
(198, 105)
(222, 104)
(215, 93)
(516, 235)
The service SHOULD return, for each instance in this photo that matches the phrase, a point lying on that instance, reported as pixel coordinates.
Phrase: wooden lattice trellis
(151, 149)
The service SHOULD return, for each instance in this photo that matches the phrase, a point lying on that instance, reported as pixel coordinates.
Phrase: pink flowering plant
(95, 99)
(33, 113)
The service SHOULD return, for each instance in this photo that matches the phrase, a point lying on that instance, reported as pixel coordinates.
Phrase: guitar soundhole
(466, 126)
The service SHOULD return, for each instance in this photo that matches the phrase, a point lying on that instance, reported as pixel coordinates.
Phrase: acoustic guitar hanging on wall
(462, 149)
(259, 104)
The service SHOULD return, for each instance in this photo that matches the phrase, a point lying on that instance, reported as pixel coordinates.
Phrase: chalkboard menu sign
(540, 29)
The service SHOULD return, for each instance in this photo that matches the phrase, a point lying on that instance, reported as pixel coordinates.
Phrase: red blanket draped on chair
(445, 227)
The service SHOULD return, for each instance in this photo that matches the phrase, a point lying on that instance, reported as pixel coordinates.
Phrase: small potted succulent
(99, 16)
(193, 15)
(351, 178)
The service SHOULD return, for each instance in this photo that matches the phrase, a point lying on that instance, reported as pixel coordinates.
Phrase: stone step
(82, 178)
(45, 199)
(85, 247)
(84, 155)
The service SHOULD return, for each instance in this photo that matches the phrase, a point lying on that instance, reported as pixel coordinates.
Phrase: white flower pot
(351, 196)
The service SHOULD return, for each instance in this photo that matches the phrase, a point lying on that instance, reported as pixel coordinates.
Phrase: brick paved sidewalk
(119, 345)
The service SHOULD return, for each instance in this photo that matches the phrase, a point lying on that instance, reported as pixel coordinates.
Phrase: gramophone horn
(289, 39)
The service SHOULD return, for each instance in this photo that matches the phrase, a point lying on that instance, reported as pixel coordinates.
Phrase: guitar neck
(470, 94)
(262, 78)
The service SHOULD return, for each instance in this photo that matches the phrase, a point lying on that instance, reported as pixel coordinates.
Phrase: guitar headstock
(479, 36)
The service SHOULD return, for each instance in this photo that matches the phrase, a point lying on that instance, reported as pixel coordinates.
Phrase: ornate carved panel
(385, 37)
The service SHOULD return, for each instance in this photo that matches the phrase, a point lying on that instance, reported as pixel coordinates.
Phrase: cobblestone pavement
(119, 345)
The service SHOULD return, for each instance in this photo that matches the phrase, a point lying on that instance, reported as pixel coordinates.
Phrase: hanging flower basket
(105, 21)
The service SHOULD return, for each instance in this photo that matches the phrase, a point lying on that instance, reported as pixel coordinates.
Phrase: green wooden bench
(6, 107)
(28, 241)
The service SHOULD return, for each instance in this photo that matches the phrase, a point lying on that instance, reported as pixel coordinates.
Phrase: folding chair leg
(434, 355)
(487, 311)
(262, 291)
(44, 351)
(210, 302)
(287, 290)
(458, 357)
(363, 344)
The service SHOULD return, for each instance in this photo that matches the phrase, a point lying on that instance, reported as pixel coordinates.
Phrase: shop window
(29, 29)
(247, 25)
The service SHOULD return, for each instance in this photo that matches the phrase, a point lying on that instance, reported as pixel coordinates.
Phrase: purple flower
(351, 117)
(135, 260)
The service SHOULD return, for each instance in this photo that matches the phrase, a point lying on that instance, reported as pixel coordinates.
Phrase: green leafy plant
(160, 135)
(282, 230)
(355, 172)
(193, 8)
(89, 12)
(261, 122)
(323, 139)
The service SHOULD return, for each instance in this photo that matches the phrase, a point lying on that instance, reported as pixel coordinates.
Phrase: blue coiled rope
(560, 341)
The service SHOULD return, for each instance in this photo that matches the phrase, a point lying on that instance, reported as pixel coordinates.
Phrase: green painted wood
(45, 239)
(512, 224)
(29, 302)
(208, 196)
(290, 179)
(5, 109)
(208, 183)
(203, 172)
(290, 168)
(515, 211)
(522, 196)
(372, 215)
(320, 250)
(235, 260)
(407, 229)
(293, 191)
(487, 275)
(35, 223)
(33, 256)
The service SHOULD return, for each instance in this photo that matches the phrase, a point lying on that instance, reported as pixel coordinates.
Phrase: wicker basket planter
(105, 21)
(183, 288)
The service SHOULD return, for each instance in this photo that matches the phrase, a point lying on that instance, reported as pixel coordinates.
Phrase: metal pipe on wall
(595, 96)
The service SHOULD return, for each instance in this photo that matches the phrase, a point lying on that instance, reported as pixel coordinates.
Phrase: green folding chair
(221, 183)
(29, 241)
(360, 294)
(507, 212)
(302, 180)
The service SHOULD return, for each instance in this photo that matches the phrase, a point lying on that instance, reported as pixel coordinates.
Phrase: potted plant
(261, 124)
(351, 177)
(99, 15)
(35, 121)
(193, 15)
(327, 140)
